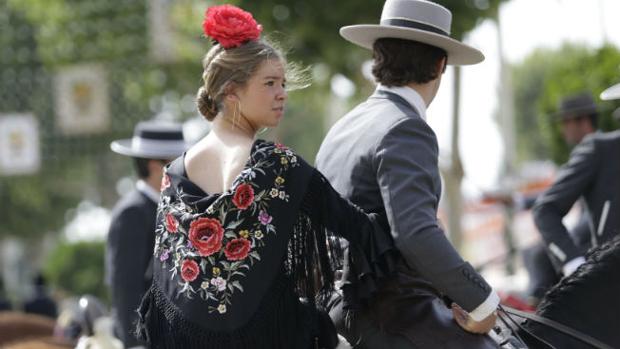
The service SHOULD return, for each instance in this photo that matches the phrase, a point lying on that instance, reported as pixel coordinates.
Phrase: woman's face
(261, 101)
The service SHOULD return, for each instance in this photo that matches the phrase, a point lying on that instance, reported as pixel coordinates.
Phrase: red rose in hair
(244, 196)
(165, 182)
(206, 235)
(230, 26)
(171, 223)
(189, 270)
(237, 249)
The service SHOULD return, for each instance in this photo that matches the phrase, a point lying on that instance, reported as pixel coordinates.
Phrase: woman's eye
(269, 83)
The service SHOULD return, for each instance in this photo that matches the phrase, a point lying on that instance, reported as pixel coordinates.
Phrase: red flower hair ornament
(230, 26)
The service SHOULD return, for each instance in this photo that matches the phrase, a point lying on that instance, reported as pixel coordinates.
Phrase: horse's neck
(587, 301)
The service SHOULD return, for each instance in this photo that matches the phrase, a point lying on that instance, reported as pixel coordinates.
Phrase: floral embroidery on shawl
(211, 251)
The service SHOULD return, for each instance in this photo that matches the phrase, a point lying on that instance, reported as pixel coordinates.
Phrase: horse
(18, 326)
(587, 301)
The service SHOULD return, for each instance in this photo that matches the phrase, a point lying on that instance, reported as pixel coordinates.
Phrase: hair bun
(206, 105)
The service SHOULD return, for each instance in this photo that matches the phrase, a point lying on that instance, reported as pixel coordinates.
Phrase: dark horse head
(587, 301)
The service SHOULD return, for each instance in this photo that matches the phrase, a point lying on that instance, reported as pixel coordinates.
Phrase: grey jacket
(592, 174)
(129, 251)
(383, 157)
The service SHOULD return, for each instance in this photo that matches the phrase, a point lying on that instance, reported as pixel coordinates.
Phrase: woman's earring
(236, 113)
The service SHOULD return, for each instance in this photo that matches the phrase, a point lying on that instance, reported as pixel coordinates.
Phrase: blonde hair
(225, 67)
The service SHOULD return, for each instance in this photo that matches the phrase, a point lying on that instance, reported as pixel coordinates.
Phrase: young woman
(245, 245)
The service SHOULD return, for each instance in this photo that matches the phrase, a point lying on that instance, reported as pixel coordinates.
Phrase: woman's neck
(240, 128)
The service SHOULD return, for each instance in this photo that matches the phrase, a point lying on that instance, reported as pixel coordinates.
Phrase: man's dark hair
(399, 62)
(142, 166)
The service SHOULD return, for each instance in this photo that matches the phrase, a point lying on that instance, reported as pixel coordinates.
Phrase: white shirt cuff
(486, 308)
(571, 266)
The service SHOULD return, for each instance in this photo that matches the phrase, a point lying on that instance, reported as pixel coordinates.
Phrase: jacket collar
(405, 96)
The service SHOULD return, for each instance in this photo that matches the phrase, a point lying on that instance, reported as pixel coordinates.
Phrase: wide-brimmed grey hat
(576, 105)
(416, 20)
(612, 92)
(152, 140)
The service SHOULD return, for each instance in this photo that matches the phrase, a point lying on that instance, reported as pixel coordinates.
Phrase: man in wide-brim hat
(131, 237)
(578, 117)
(591, 175)
(383, 157)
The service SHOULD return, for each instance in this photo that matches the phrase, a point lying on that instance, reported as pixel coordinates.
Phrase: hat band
(413, 25)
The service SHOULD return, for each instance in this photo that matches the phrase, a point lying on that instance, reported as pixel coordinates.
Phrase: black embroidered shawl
(248, 267)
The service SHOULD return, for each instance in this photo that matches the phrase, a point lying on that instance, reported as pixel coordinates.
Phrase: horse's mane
(586, 301)
(598, 273)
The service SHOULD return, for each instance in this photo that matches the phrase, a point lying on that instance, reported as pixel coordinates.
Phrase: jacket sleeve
(573, 180)
(129, 255)
(408, 177)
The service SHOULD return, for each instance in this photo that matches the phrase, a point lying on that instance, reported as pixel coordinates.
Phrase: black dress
(250, 267)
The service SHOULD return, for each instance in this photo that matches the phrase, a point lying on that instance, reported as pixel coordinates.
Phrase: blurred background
(77, 74)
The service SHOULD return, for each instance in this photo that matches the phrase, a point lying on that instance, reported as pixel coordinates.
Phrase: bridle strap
(558, 327)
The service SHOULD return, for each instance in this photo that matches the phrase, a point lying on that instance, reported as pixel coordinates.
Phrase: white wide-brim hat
(152, 140)
(612, 92)
(416, 20)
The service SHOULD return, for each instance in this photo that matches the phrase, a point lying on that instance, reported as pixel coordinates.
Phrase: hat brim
(365, 35)
(612, 92)
(123, 147)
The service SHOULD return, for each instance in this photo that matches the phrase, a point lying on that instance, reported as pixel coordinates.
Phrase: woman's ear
(230, 93)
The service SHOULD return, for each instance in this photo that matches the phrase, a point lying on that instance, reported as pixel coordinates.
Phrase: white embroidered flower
(219, 283)
(222, 308)
(258, 234)
(293, 159)
(204, 285)
(282, 195)
(273, 193)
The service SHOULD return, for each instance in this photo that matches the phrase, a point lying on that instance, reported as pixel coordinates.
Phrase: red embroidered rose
(237, 249)
(165, 183)
(189, 270)
(206, 235)
(230, 26)
(244, 196)
(171, 223)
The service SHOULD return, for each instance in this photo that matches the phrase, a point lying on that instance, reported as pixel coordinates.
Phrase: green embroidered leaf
(234, 224)
(237, 285)
(203, 265)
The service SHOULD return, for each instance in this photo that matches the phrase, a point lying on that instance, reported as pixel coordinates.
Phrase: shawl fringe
(280, 322)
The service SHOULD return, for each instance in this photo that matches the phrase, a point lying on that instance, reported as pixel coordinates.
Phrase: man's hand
(470, 325)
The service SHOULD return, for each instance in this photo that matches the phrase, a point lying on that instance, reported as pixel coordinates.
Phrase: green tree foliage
(38, 38)
(77, 269)
(548, 75)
